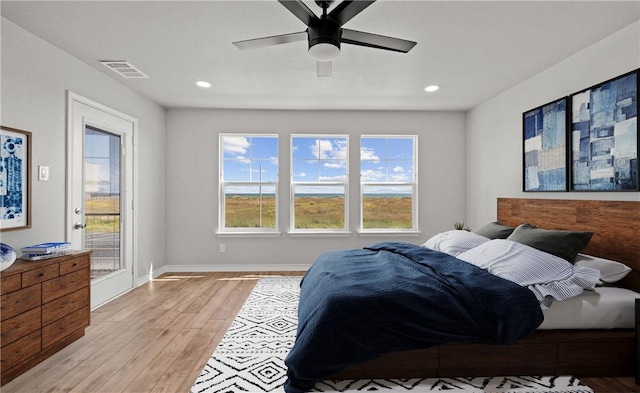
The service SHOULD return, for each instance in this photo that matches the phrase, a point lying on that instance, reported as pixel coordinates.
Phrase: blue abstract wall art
(604, 136)
(545, 147)
(14, 178)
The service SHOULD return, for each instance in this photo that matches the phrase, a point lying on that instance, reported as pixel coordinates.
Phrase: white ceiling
(473, 49)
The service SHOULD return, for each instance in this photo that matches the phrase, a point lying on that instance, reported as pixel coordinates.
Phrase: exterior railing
(102, 236)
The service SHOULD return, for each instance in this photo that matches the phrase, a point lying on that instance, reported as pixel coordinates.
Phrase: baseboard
(219, 268)
(233, 268)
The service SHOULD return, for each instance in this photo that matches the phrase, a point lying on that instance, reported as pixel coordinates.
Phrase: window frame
(222, 184)
(293, 231)
(413, 184)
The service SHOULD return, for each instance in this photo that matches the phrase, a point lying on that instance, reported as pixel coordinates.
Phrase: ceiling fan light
(324, 51)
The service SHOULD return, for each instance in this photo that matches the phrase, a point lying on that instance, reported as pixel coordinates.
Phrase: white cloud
(235, 144)
(243, 159)
(321, 148)
(332, 178)
(325, 149)
(398, 169)
(334, 164)
(398, 177)
(371, 175)
(367, 153)
(341, 150)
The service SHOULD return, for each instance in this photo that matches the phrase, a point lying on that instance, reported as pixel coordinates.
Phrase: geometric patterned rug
(250, 356)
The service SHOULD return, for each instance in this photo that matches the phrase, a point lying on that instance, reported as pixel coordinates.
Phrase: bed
(580, 352)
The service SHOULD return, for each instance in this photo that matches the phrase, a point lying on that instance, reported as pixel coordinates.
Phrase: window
(388, 183)
(319, 179)
(248, 183)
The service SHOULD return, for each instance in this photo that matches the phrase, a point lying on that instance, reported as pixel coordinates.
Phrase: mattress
(603, 308)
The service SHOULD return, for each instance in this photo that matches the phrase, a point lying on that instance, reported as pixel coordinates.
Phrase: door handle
(80, 225)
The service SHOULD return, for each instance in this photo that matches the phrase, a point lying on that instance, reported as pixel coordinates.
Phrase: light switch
(43, 173)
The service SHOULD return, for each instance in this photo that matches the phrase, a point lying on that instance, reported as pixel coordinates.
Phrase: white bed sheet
(604, 308)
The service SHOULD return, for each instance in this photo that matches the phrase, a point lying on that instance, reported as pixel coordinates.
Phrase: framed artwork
(545, 155)
(15, 179)
(604, 136)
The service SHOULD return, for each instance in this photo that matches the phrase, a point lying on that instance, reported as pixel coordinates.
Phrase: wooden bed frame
(595, 353)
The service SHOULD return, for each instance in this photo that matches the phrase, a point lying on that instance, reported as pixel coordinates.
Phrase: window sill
(371, 233)
(247, 234)
(319, 233)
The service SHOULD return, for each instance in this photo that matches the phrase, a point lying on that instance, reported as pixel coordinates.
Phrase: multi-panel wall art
(604, 136)
(585, 142)
(545, 147)
(15, 179)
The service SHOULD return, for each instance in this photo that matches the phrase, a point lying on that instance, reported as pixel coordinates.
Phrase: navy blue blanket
(358, 304)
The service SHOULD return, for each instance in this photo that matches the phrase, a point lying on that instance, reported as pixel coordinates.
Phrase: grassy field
(99, 213)
(317, 212)
(243, 211)
(312, 212)
(387, 212)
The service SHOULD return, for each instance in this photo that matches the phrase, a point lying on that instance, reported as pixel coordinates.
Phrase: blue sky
(321, 159)
(250, 159)
(99, 160)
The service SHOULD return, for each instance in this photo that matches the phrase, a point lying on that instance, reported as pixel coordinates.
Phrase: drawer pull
(41, 274)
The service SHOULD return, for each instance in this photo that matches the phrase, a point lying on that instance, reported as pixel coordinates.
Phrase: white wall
(494, 128)
(35, 78)
(192, 178)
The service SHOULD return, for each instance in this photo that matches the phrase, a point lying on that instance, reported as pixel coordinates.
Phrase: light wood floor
(158, 337)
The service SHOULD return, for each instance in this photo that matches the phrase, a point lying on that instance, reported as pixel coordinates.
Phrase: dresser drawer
(17, 302)
(63, 285)
(20, 350)
(19, 326)
(10, 284)
(65, 326)
(74, 264)
(65, 305)
(36, 276)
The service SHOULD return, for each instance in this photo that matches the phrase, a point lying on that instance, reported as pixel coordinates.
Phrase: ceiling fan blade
(371, 40)
(346, 10)
(272, 40)
(299, 9)
(324, 68)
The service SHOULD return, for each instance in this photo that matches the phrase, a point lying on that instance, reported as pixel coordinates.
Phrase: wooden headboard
(616, 225)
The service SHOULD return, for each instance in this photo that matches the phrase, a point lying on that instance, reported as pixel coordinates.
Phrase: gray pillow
(494, 230)
(564, 244)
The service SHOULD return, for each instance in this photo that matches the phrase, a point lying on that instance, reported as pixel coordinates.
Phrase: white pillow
(546, 275)
(454, 242)
(610, 271)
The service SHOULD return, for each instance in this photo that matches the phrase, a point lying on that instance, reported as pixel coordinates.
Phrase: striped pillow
(547, 276)
(455, 242)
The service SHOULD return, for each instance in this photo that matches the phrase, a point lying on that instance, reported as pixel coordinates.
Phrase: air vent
(124, 69)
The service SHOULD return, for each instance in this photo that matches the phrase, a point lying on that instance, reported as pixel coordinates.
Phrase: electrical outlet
(222, 248)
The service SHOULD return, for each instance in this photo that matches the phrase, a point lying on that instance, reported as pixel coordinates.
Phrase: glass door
(102, 200)
(100, 203)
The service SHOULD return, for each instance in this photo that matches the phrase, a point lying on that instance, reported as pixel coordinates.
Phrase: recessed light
(204, 84)
(432, 88)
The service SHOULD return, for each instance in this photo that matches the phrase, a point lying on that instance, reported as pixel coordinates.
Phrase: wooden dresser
(45, 306)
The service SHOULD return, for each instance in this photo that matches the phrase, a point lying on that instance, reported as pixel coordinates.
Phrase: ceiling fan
(325, 33)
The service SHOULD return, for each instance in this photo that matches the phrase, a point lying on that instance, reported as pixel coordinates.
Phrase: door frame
(133, 216)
